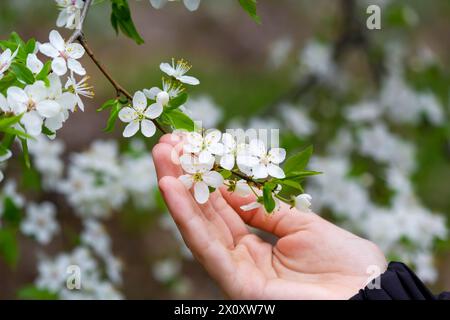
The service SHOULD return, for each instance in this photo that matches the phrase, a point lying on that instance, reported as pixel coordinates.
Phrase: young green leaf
(121, 20)
(269, 202)
(179, 120)
(112, 117)
(34, 293)
(22, 73)
(26, 155)
(298, 162)
(108, 104)
(6, 122)
(250, 7)
(9, 248)
(177, 101)
(12, 215)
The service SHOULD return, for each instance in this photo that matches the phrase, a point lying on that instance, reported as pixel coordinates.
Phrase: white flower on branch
(302, 202)
(80, 88)
(200, 176)
(40, 222)
(139, 116)
(6, 58)
(70, 14)
(191, 5)
(170, 89)
(178, 71)
(205, 147)
(64, 54)
(261, 162)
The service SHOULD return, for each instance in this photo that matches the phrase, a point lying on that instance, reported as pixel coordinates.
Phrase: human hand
(312, 259)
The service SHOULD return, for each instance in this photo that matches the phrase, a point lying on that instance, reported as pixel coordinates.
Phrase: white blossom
(170, 89)
(70, 13)
(80, 89)
(178, 71)
(261, 162)
(199, 176)
(302, 202)
(140, 116)
(204, 146)
(64, 55)
(6, 58)
(40, 222)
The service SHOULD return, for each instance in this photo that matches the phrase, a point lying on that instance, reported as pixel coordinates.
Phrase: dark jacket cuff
(399, 283)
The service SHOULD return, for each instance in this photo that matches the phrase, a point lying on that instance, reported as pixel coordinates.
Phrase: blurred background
(373, 103)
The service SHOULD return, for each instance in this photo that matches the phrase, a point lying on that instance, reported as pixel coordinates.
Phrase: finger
(281, 223)
(234, 222)
(195, 230)
(166, 161)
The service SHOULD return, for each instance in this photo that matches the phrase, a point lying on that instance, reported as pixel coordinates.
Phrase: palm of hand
(312, 259)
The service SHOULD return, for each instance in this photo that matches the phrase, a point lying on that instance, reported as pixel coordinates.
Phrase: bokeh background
(314, 56)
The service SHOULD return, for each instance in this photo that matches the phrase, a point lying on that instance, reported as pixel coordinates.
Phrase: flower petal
(57, 41)
(213, 179)
(189, 80)
(192, 5)
(34, 64)
(67, 101)
(187, 180)
(32, 123)
(257, 148)
(205, 157)
(127, 114)
(167, 68)
(260, 171)
(201, 192)
(75, 50)
(139, 101)
(251, 206)
(48, 50)
(152, 93)
(154, 111)
(158, 4)
(227, 161)
(76, 67)
(131, 129)
(275, 171)
(59, 66)
(48, 108)
(148, 128)
(277, 155)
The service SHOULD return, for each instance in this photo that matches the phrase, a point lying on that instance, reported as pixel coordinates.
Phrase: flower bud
(163, 98)
(302, 202)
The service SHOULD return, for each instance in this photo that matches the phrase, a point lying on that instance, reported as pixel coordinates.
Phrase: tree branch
(79, 36)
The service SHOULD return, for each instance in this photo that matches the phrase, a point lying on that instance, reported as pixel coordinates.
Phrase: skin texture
(312, 258)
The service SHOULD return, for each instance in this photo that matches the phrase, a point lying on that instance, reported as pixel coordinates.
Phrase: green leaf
(26, 155)
(12, 214)
(121, 20)
(178, 101)
(30, 46)
(7, 122)
(298, 162)
(179, 120)
(47, 131)
(32, 292)
(43, 74)
(292, 184)
(112, 117)
(9, 248)
(16, 132)
(108, 104)
(22, 73)
(225, 173)
(302, 174)
(269, 202)
(250, 7)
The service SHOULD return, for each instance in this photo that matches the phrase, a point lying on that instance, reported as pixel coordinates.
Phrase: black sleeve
(399, 283)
